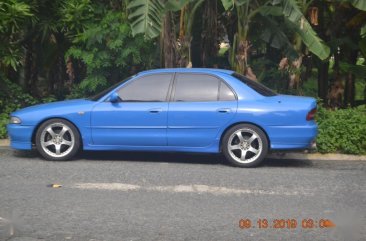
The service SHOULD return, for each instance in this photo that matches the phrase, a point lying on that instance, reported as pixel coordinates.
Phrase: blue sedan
(179, 110)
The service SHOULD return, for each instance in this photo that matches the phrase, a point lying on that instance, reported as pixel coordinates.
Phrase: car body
(187, 110)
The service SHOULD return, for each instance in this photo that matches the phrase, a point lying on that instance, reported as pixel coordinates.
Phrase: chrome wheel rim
(57, 140)
(245, 145)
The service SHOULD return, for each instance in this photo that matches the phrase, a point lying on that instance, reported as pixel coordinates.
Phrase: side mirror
(114, 98)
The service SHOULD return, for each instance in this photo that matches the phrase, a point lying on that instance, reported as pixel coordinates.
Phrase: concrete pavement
(115, 196)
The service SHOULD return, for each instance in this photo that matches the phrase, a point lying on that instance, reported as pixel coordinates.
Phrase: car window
(259, 88)
(196, 87)
(225, 93)
(105, 91)
(151, 88)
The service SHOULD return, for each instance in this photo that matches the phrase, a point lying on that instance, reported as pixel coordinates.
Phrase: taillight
(311, 115)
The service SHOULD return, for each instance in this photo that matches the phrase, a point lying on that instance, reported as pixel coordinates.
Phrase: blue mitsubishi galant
(179, 110)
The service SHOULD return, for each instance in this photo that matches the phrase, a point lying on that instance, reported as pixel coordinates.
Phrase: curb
(5, 144)
(316, 156)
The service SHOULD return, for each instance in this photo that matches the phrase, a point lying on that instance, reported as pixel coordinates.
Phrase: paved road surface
(133, 196)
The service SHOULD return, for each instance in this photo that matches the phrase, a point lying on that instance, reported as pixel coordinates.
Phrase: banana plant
(291, 12)
(360, 4)
(147, 18)
(147, 15)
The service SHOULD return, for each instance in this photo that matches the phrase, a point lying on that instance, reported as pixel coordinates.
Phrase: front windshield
(104, 92)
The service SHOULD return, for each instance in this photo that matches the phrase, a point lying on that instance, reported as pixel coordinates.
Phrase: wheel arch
(239, 123)
(50, 118)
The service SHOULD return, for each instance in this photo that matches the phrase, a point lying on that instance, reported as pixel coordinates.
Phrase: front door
(139, 118)
(201, 105)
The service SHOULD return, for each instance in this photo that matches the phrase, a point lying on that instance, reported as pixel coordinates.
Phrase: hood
(34, 114)
(53, 105)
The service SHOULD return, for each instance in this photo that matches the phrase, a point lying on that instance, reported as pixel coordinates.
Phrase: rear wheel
(245, 145)
(57, 140)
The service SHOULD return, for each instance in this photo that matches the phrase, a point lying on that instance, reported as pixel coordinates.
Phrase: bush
(342, 131)
(12, 98)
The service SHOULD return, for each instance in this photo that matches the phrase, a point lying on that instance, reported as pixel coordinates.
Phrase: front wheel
(57, 140)
(245, 145)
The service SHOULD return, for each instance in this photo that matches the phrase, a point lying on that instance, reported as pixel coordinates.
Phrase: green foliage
(146, 17)
(108, 50)
(4, 120)
(342, 131)
(360, 4)
(13, 14)
(357, 70)
(228, 4)
(293, 14)
(76, 14)
(12, 98)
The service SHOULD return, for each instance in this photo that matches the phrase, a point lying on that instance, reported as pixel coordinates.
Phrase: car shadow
(166, 157)
(161, 157)
(271, 162)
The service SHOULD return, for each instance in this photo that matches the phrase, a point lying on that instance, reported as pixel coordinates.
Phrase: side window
(225, 93)
(196, 87)
(151, 88)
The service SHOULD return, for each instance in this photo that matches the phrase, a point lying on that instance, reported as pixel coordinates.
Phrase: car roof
(190, 70)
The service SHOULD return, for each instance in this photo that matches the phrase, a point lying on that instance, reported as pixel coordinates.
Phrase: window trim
(172, 96)
(167, 97)
(230, 88)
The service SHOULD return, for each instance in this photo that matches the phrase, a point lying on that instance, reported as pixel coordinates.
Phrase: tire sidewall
(261, 134)
(76, 134)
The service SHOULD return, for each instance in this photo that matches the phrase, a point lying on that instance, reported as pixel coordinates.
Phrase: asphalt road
(151, 196)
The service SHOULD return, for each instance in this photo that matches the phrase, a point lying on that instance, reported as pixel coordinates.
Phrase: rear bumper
(20, 136)
(292, 137)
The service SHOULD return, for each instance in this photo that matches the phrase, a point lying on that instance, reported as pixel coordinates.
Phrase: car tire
(57, 140)
(245, 145)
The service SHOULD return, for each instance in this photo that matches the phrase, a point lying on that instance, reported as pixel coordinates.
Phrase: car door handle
(155, 110)
(224, 110)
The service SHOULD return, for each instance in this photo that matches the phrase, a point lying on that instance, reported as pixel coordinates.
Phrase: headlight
(15, 120)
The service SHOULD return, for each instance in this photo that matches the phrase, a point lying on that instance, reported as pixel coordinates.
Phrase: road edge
(5, 144)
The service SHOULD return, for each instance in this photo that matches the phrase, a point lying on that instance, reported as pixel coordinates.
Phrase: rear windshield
(259, 88)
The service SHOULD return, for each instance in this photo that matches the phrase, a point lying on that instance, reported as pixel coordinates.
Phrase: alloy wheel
(57, 139)
(245, 145)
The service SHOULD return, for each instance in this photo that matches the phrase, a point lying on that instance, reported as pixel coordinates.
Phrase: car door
(201, 105)
(139, 118)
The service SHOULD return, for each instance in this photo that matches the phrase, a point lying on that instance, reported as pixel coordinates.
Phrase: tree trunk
(184, 39)
(308, 63)
(168, 42)
(242, 47)
(209, 34)
(323, 66)
(323, 77)
(31, 67)
(349, 92)
(27, 65)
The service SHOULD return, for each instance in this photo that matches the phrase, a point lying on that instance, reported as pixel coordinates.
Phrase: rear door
(200, 106)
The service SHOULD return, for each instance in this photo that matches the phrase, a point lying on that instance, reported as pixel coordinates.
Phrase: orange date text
(264, 223)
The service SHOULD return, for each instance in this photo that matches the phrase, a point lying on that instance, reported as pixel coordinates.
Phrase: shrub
(342, 130)
(12, 97)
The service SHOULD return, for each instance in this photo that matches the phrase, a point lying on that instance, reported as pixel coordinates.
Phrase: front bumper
(20, 136)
